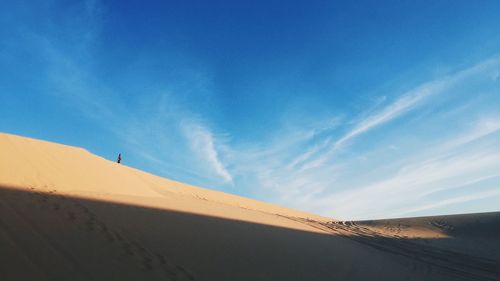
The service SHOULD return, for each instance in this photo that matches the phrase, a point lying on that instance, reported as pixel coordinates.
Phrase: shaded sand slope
(466, 246)
(66, 214)
(477, 234)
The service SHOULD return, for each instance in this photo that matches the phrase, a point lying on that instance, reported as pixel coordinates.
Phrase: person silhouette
(119, 160)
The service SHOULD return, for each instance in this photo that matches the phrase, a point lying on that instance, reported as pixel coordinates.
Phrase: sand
(66, 214)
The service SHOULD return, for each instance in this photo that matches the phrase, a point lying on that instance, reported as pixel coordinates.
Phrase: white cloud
(399, 193)
(149, 129)
(406, 102)
(313, 175)
(482, 128)
(403, 104)
(455, 200)
(203, 144)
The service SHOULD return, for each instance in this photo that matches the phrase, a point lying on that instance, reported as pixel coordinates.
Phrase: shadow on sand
(45, 235)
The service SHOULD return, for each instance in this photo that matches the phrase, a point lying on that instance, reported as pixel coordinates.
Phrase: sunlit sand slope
(29, 163)
(66, 214)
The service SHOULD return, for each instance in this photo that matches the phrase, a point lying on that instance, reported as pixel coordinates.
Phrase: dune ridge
(28, 162)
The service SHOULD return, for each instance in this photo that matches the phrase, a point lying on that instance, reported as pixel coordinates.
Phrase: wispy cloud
(482, 128)
(325, 175)
(151, 129)
(455, 200)
(407, 187)
(413, 183)
(403, 104)
(202, 142)
(158, 129)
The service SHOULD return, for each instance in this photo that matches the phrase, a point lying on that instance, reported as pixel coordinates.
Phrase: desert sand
(66, 214)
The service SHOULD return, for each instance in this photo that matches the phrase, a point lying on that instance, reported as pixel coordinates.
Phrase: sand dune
(66, 214)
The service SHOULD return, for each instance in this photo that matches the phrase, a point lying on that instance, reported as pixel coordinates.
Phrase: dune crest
(49, 166)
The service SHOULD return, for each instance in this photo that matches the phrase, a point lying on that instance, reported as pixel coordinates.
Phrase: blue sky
(350, 109)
